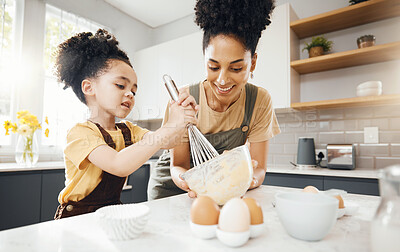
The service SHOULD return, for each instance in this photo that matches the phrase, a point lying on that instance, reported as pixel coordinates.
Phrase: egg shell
(310, 189)
(256, 214)
(341, 202)
(204, 211)
(234, 216)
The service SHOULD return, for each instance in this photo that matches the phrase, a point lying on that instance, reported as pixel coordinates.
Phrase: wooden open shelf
(357, 57)
(349, 102)
(358, 14)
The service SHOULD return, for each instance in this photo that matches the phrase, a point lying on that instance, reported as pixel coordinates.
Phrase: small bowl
(257, 230)
(366, 41)
(123, 222)
(233, 239)
(370, 84)
(341, 212)
(351, 208)
(369, 91)
(307, 216)
(203, 231)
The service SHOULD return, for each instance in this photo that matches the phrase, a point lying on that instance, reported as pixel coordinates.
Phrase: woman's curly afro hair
(86, 55)
(243, 19)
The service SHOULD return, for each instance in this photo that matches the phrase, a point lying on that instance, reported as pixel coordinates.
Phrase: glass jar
(27, 150)
(385, 226)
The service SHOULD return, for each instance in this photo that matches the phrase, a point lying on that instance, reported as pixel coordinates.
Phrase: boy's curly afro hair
(243, 19)
(86, 55)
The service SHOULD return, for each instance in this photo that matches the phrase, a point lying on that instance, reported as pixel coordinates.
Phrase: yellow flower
(22, 113)
(14, 127)
(46, 132)
(28, 124)
(25, 130)
(7, 125)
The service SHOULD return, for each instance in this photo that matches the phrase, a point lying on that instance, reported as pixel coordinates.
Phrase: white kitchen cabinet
(278, 45)
(193, 67)
(180, 58)
(146, 66)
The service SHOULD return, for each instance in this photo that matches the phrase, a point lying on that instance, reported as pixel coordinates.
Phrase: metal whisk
(200, 148)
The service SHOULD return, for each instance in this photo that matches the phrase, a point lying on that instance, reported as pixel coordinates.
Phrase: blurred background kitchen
(313, 98)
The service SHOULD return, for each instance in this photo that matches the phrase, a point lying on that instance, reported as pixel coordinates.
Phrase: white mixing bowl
(224, 177)
(306, 216)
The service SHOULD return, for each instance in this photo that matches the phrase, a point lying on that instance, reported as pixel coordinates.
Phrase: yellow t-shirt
(263, 124)
(82, 176)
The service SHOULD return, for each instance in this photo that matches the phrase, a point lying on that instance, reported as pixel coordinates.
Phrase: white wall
(303, 8)
(132, 34)
(329, 84)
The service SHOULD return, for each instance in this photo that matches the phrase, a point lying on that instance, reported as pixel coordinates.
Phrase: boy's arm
(128, 160)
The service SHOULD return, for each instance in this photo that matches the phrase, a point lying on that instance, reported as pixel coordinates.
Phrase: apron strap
(126, 132)
(194, 90)
(251, 97)
(106, 136)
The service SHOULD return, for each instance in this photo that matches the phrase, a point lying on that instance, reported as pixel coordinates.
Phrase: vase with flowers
(27, 150)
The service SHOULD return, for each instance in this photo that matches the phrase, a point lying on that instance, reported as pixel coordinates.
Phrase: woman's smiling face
(228, 66)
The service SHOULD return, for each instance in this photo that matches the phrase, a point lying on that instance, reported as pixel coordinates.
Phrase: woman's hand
(185, 187)
(254, 182)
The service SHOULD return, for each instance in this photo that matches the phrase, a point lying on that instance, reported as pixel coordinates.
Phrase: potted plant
(366, 41)
(318, 46)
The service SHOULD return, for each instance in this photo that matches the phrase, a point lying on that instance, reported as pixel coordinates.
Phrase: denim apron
(107, 192)
(161, 184)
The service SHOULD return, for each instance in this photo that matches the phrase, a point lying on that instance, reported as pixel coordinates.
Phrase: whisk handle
(171, 87)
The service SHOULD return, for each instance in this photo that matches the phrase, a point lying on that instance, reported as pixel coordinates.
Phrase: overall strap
(126, 132)
(251, 97)
(194, 90)
(106, 136)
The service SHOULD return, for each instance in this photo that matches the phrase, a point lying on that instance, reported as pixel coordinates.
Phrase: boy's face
(115, 89)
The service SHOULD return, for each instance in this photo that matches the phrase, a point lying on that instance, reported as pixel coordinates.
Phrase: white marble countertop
(168, 230)
(287, 169)
(356, 173)
(14, 167)
(52, 165)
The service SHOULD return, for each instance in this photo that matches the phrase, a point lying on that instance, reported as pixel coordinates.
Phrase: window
(62, 107)
(7, 42)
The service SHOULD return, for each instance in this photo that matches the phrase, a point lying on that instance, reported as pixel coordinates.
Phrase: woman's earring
(252, 75)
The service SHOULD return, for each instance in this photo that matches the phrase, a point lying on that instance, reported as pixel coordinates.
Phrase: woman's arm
(180, 163)
(259, 153)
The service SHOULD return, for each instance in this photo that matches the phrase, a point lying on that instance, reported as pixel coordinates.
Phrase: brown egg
(256, 214)
(204, 211)
(341, 202)
(310, 189)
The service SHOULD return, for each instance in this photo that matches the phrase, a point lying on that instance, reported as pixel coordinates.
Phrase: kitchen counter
(356, 173)
(53, 165)
(168, 230)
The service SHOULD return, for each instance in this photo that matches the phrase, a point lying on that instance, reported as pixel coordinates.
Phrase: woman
(231, 110)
